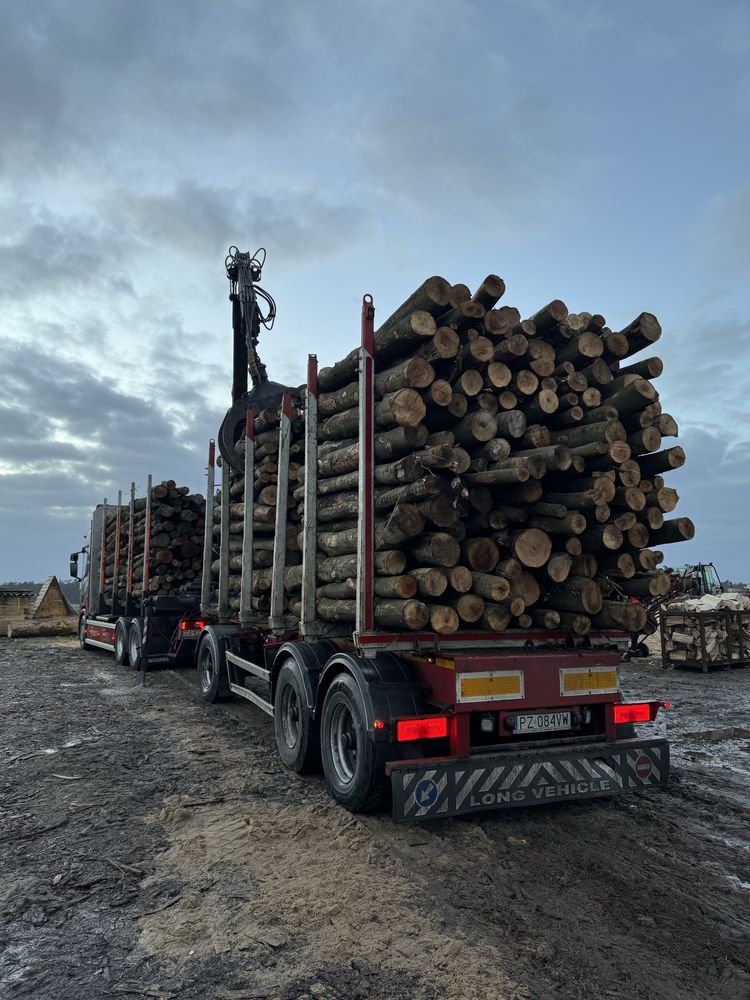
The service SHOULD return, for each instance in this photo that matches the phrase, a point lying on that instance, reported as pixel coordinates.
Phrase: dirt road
(153, 846)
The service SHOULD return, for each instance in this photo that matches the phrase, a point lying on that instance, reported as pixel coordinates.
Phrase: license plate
(542, 722)
(190, 633)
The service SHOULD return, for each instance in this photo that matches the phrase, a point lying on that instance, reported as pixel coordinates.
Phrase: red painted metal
(250, 424)
(286, 406)
(458, 734)
(118, 530)
(412, 641)
(147, 547)
(212, 453)
(312, 374)
(541, 679)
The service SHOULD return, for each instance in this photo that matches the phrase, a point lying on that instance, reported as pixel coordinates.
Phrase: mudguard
(387, 689)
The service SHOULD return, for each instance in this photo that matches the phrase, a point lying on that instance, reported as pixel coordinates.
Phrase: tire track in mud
(244, 881)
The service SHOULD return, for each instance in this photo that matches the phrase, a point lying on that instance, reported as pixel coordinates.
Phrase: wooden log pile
(175, 553)
(265, 499)
(726, 636)
(519, 479)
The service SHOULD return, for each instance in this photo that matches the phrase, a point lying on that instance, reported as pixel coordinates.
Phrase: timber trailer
(449, 724)
(145, 629)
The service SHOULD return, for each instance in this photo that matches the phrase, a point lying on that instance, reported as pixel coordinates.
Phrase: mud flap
(434, 790)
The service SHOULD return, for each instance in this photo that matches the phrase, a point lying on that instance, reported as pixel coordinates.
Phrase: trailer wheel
(82, 632)
(121, 644)
(352, 763)
(213, 682)
(297, 738)
(134, 645)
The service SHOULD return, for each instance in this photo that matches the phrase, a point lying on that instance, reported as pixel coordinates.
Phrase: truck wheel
(82, 632)
(296, 733)
(352, 763)
(134, 646)
(121, 644)
(212, 672)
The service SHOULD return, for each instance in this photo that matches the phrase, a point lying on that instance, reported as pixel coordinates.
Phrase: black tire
(135, 642)
(297, 737)
(213, 682)
(121, 643)
(82, 632)
(353, 764)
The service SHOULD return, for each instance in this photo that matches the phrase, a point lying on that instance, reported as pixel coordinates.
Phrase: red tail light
(638, 712)
(184, 626)
(421, 729)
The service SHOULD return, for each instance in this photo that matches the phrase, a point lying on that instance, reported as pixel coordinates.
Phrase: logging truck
(366, 676)
(143, 619)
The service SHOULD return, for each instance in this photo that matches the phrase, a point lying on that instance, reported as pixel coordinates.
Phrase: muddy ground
(153, 846)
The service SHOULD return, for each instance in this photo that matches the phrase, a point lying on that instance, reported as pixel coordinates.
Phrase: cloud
(129, 79)
(724, 232)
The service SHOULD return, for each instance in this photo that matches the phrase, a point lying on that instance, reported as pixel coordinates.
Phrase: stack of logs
(175, 553)
(266, 430)
(519, 472)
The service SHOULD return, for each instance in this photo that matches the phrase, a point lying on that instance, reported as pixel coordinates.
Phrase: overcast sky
(594, 152)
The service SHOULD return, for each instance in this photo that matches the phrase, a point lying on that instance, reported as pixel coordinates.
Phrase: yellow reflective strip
(592, 680)
(442, 662)
(486, 687)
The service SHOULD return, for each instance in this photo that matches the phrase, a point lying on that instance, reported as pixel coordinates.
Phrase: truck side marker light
(378, 724)
(421, 729)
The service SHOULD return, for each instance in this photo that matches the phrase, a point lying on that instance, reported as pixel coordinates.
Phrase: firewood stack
(175, 553)
(519, 470)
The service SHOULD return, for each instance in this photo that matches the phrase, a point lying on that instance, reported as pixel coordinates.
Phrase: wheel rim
(290, 716)
(119, 644)
(207, 669)
(342, 741)
(134, 648)
(82, 632)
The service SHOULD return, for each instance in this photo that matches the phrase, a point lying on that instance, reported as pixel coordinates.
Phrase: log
(621, 615)
(642, 332)
(577, 594)
(34, 627)
(387, 563)
(395, 586)
(490, 291)
(445, 344)
(443, 619)
(480, 554)
(496, 617)
(602, 536)
(676, 529)
(459, 578)
(430, 581)
(470, 607)
(662, 461)
(436, 548)
(494, 588)
(545, 618)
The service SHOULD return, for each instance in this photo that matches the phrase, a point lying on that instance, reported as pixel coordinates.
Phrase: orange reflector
(633, 713)
(421, 729)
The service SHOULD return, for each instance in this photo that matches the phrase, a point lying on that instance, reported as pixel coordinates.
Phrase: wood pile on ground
(519, 478)
(725, 636)
(175, 543)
